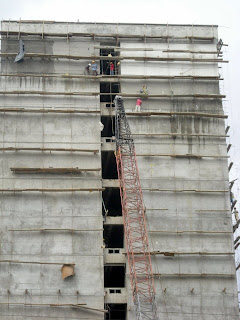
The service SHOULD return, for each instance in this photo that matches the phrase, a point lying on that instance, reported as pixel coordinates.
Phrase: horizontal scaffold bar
(52, 170)
(181, 135)
(115, 48)
(174, 253)
(170, 114)
(131, 95)
(46, 110)
(48, 149)
(190, 231)
(57, 305)
(103, 76)
(148, 113)
(116, 58)
(196, 95)
(36, 262)
(192, 51)
(231, 275)
(182, 190)
(54, 229)
(193, 156)
(103, 35)
(53, 190)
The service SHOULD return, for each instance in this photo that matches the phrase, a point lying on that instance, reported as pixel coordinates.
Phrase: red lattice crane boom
(133, 210)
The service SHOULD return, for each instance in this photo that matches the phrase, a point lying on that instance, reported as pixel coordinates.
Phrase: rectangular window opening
(109, 165)
(110, 88)
(109, 126)
(105, 64)
(112, 202)
(116, 311)
(113, 236)
(114, 276)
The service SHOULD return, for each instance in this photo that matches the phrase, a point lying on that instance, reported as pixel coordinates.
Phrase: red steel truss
(139, 259)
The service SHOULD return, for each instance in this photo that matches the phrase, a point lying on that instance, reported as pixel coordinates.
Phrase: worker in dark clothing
(87, 69)
(232, 199)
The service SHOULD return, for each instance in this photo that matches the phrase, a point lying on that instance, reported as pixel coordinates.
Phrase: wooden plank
(103, 76)
(52, 170)
(181, 135)
(190, 231)
(54, 190)
(130, 95)
(192, 51)
(104, 35)
(52, 229)
(35, 262)
(48, 149)
(47, 110)
(143, 113)
(231, 275)
(184, 190)
(170, 114)
(116, 58)
(194, 156)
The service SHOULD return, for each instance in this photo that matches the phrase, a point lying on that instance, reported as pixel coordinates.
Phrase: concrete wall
(60, 210)
(196, 198)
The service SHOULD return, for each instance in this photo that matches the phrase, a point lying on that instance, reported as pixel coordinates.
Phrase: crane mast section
(139, 259)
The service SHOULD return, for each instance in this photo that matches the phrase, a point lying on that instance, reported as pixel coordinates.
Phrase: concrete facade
(182, 162)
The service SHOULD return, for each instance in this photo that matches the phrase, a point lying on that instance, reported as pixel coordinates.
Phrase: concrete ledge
(114, 257)
(115, 295)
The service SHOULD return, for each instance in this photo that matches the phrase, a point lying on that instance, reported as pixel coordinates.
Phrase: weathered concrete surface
(188, 286)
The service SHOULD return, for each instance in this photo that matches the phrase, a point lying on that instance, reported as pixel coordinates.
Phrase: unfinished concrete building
(63, 253)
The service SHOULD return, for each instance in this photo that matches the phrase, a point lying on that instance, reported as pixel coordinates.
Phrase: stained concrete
(188, 286)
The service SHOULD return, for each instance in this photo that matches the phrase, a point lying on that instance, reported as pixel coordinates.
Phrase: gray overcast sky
(224, 13)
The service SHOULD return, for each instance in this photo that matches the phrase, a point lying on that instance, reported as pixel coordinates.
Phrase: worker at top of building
(236, 215)
(111, 69)
(144, 89)
(138, 105)
(94, 68)
(109, 55)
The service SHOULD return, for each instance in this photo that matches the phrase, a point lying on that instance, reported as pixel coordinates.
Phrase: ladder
(133, 210)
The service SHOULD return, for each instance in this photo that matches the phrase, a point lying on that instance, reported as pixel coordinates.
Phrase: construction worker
(94, 68)
(138, 105)
(87, 69)
(144, 89)
(111, 69)
(118, 67)
(236, 215)
(232, 199)
(101, 126)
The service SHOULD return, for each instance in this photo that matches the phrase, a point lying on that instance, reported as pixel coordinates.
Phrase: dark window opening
(113, 236)
(111, 251)
(105, 64)
(109, 165)
(116, 311)
(112, 202)
(109, 126)
(110, 88)
(108, 105)
(114, 276)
